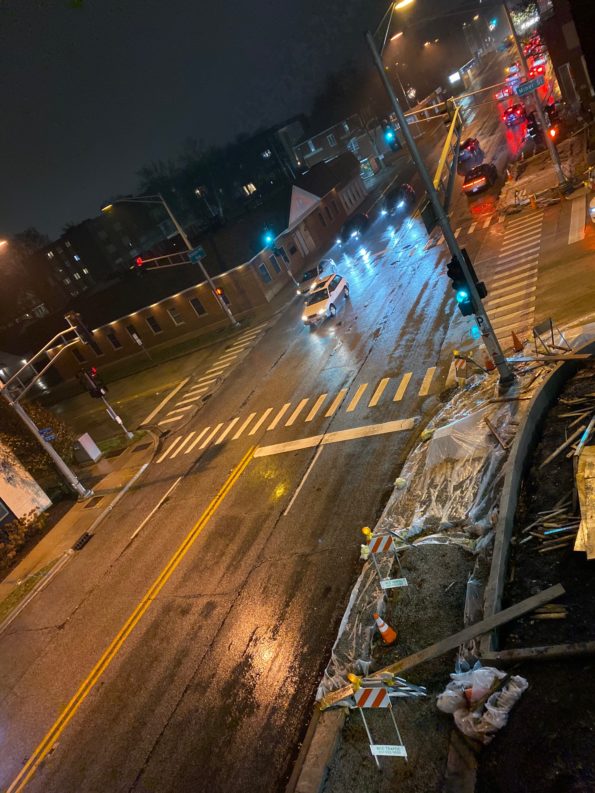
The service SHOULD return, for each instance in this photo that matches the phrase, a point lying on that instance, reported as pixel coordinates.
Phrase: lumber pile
(553, 529)
(585, 485)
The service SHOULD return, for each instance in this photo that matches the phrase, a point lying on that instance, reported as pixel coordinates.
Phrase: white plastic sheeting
(450, 492)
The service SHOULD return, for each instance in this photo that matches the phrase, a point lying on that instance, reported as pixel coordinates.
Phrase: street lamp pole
(540, 114)
(487, 332)
(409, 105)
(184, 236)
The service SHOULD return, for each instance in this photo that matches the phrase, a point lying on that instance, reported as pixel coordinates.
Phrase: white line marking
(190, 399)
(240, 346)
(297, 412)
(425, 386)
(502, 323)
(243, 427)
(355, 433)
(227, 430)
(471, 228)
(502, 309)
(316, 407)
(356, 398)
(336, 402)
(513, 258)
(524, 247)
(527, 293)
(279, 416)
(218, 369)
(526, 221)
(514, 273)
(303, 481)
(203, 382)
(260, 421)
(184, 443)
(229, 357)
(172, 445)
(578, 212)
(164, 402)
(378, 393)
(521, 239)
(457, 232)
(155, 508)
(504, 285)
(169, 421)
(486, 223)
(197, 439)
(402, 387)
(210, 437)
(178, 410)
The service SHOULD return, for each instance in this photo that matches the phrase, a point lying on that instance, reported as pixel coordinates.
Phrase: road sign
(530, 85)
(197, 254)
(388, 750)
(372, 698)
(47, 434)
(391, 583)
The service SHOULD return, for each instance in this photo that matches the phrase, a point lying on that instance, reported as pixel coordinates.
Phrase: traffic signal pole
(487, 332)
(183, 235)
(70, 477)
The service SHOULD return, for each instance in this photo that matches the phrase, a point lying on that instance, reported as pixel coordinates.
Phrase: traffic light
(454, 270)
(91, 382)
(75, 321)
(390, 136)
(268, 237)
(138, 262)
(221, 295)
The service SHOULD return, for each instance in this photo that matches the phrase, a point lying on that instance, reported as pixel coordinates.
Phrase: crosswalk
(204, 386)
(303, 411)
(477, 225)
(511, 276)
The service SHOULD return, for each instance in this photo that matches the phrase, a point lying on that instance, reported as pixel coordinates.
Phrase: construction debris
(480, 700)
(585, 484)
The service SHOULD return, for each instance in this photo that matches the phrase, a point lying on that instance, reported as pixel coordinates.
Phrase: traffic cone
(488, 364)
(388, 634)
(517, 344)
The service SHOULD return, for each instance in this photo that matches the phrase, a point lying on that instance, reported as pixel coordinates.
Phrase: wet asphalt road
(212, 687)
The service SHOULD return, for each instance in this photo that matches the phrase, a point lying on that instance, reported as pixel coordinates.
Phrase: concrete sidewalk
(118, 476)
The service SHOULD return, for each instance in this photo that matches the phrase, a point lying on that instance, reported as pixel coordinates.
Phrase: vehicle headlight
(298, 292)
(383, 212)
(400, 205)
(322, 311)
(338, 240)
(304, 317)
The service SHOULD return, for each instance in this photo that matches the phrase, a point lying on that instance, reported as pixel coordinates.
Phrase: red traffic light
(139, 261)
(553, 132)
(93, 371)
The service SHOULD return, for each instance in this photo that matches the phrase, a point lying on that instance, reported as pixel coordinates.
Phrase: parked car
(514, 114)
(312, 277)
(322, 302)
(470, 150)
(480, 178)
(504, 93)
(399, 198)
(353, 228)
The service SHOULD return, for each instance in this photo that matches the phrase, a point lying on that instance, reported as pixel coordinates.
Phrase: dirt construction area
(548, 744)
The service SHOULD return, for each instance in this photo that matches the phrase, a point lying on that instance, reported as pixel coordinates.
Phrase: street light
(403, 4)
(3, 243)
(159, 199)
(396, 36)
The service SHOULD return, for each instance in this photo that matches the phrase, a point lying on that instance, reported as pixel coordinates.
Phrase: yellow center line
(91, 680)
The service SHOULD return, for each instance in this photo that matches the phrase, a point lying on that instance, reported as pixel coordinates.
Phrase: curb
(61, 561)
(513, 474)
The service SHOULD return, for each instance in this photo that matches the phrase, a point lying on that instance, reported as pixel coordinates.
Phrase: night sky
(91, 94)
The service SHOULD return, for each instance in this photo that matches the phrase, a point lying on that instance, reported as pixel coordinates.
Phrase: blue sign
(47, 434)
(197, 254)
(530, 85)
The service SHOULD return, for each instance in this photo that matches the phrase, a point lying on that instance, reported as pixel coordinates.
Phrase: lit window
(331, 140)
(77, 276)
(67, 244)
(50, 254)
(346, 126)
(249, 188)
(76, 257)
(266, 154)
(86, 271)
(67, 281)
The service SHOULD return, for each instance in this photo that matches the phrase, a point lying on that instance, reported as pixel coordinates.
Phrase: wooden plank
(443, 646)
(546, 652)
(565, 445)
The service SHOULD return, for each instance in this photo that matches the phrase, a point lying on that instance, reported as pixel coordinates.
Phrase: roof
(324, 176)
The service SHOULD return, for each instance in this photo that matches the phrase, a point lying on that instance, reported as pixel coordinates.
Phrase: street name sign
(197, 254)
(47, 434)
(388, 750)
(530, 85)
(391, 583)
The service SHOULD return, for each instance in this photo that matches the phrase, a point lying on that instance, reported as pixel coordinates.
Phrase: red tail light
(553, 132)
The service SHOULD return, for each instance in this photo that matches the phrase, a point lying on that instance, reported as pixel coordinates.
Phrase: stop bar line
(336, 437)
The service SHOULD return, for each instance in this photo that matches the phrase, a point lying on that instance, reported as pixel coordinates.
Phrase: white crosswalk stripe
(296, 413)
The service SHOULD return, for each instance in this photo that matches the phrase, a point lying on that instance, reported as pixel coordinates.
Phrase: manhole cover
(93, 502)
(141, 447)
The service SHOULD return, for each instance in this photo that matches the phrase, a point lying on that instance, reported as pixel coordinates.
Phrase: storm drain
(93, 502)
(82, 541)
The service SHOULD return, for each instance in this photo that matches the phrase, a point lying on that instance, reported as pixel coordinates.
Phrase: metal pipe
(489, 337)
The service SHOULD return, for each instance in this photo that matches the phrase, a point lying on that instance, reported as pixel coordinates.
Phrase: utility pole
(487, 332)
(70, 477)
(540, 114)
(184, 236)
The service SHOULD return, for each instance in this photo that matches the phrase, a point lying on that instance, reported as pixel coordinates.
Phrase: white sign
(454, 78)
(386, 750)
(391, 583)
